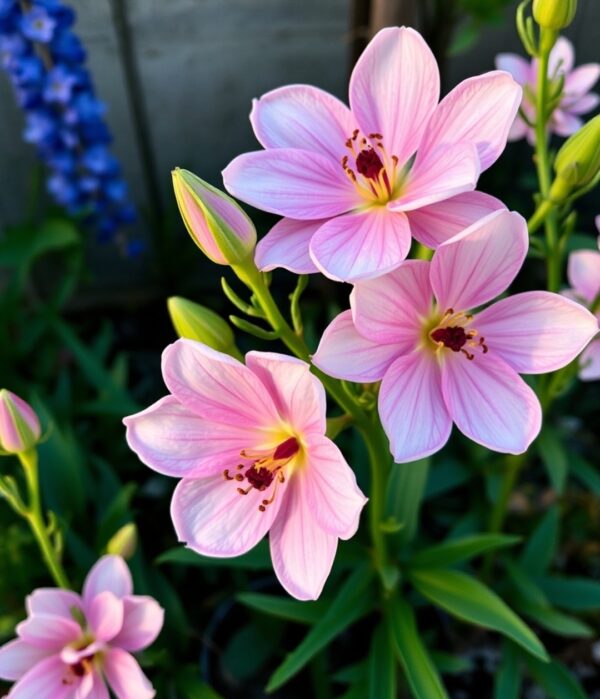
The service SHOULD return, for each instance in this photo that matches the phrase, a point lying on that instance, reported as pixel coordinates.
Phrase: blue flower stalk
(64, 119)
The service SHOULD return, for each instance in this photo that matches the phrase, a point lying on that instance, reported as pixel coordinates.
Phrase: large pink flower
(249, 443)
(576, 98)
(353, 184)
(439, 361)
(72, 646)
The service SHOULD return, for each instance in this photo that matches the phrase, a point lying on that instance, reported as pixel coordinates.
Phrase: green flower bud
(554, 14)
(578, 161)
(124, 542)
(20, 427)
(218, 226)
(196, 322)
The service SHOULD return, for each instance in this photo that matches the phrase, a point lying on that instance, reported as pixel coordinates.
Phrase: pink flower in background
(583, 272)
(72, 646)
(440, 362)
(576, 97)
(354, 184)
(249, 444)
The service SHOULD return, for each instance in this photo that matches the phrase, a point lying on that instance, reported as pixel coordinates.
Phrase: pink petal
(332, 495)
(481, 262)
(49, 631)
(291, 182)
(286, 245)
(109, 574)
(143, 619)
(590, 362)
(438, 174)
(394, 88)
(583, 271)
(298, 395)
(518, 130)
(18, 657)
(583, 104)
(412, 409)
(581, 80)
(44, 681)
(217, 387)
(212, 518)
(173, 440)
(125, 676)
(72, 655)
(490, 403)
(99, 689)
(516, 65)
(302, 552)
(562, 57)
(345, 354)
(361, 245)
(389, 309)
(536, 332)
(436, 223)
(480, 110)
(565, 124)
(105, 616)
(51, 600)
(302, 116)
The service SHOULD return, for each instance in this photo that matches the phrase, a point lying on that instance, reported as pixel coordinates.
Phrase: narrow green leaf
(449, 664)
(382, 666)
(420, 672)
(507, 684)
(555, 621)
(574, 594)
(541, 547)
(554, 458)
(352, 674)
(284, 607)
(351, 603)
(454, 551)
(256, 559)
(405, 489)
(525, 585)
(585, 473)
(555, 679)
(470, 600)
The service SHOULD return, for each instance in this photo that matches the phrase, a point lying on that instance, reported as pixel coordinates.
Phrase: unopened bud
(217, 224)
(578, 161)
(554, 14)
(124, 542)
(19, 426)
(196, 322)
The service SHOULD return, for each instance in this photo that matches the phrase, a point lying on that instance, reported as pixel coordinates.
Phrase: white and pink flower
(576, 98)
(439, 361)
(76, 646)
(248, 442)
(354, 184)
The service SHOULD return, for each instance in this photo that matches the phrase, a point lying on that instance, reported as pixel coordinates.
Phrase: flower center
(450, 333)
(78, 670)
(375, 173)
(267, 469)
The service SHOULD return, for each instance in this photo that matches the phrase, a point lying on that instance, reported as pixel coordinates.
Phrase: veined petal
(125, 676)
(562, 58)
(536, 332)
(481, 262)
(564, 124)
(18, 657)
(99, 689)
(438, 174)
(435, 224)
(291, 182)
(583, 272)
(516, 65)
(389, 309)
(583, 104)
(490, 403)
(105, 616)
(412, 409)
(394, 88)
(142, 621)
(301, 550)
(332, 495)
(345, 354)
(48, 631)
(298, 394)
(212, 518)
(287, 245)
(581, 80)
(43, 681)
(109, 574)
(302, 116)
(51, 600)
(590, 362)
(361, 245)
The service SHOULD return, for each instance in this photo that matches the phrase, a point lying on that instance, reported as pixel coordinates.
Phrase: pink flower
(354, 184)
(249, 444)
(72, 646)
(440, 362)
(583, 272)
(576, 97)
(19, 425)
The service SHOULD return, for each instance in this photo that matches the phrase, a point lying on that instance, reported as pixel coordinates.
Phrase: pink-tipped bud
(218, 226)
(19, 426)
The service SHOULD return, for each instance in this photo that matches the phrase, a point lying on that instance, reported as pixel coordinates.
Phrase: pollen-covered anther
(375, 171)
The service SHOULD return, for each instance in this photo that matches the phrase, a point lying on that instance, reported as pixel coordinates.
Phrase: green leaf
(444, 477)
(507, 684)
(351, 674)
(420, 672)
(556, 622)
(554, 457)
(351, 603)
(284, 607)
(405, 489)
(470, 600)
(454, 551)
(586, 473)
(540, 549)
(449, 664)
(382, 666)
(575, 594)
(525, 585)
(555, 679)
(22, 245)
(256, 559)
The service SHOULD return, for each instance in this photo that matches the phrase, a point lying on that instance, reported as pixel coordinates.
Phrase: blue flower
(38, 25)
(59, 85)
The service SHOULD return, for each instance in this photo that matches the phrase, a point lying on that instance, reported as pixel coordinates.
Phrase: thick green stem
(35, 517)
(539, 216)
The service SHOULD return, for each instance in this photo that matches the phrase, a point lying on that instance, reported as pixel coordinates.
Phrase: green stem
(36, 521)
(539, 216)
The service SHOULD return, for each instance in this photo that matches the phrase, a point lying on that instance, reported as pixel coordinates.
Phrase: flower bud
(19, 426)
(578, 161)
(124, 542)
(218, 226)
(196, 322)
(554, 14)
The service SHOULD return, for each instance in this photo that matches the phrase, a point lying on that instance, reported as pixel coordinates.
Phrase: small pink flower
(440, 362)
(249, 443)
(354, 184)
(583, 272)
(576, 97)
(72, 646)
(19, 425)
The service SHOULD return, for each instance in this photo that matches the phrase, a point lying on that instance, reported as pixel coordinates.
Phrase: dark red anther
(259, 478)
(286, 449)
(369, 164)
(79, 669)
(453, 338)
